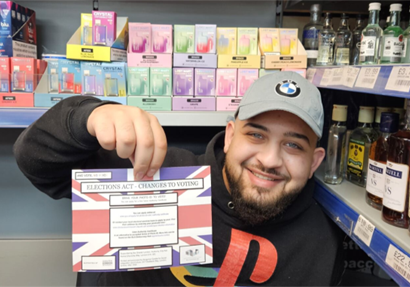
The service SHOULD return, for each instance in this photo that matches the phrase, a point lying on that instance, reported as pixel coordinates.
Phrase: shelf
(23, 117)
(360, 79)
(344, 203)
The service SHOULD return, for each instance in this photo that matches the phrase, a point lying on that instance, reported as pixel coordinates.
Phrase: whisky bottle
(377, 118)
(376, 171)
(399, 111)
(336, 146)
(395, 198)
(360, 142)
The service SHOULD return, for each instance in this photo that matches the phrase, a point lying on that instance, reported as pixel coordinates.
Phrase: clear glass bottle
(399, 111)
(311, 34)
(396, 196)
(376, 171)
(356, 41)
(336, 146)
(371, 36)
(393, 44)
(360, 142)
(343, 42)
(406, 52)
(377, 118)
(326, 43)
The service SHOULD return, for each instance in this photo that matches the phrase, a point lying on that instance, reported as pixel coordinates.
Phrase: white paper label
(364, 230)
(323, 55)
(393, 47)
(327, 76)
(310, 74)
(399, 261)
(368, 45)
(312, 54)
(336, 77)
(396, 186)
(376, 178)
(367, 77)
(399, 79)
(342, 55)
(349, 76)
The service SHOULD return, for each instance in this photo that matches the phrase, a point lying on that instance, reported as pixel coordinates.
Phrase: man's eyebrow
(297, 135)
(256, 126)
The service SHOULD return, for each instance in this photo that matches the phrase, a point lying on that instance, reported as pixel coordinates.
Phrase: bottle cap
(328, 15)
(344, 16)
(315, 8)
(389, 123)
(395, 7)
(366, 114)
(399, 111)
(379, 111)
(375, 6)
(339, 113)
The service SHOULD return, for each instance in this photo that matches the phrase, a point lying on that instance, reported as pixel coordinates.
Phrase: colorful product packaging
(92, 78)
(263, 72)
(226, 41)
(205, 37)
(226, 82)
(288, 41)
(246, 77)
(184, 39)
(205, 82)
(183, 82)
(115, 79)
(247, 41)
(86, 29)
(139, 37)
(23, 75)
(227, 103)
(161, 39)
(53, 77)
(269, 39)
(4, 75)
(69, 72)
(138, 81)
(41, 68)
(161, 81)
(104, 28)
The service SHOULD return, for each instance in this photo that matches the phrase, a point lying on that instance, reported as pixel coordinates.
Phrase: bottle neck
(328, 23)
(407, 119)
(359, 24)
(373, 17)
(343, 24)
(338, 123)
(365, 125)
(314, 17)
(394, 18)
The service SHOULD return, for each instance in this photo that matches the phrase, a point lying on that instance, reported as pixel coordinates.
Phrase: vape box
(297, 61)
(288, 41)
(301, 72)
(226, 82)
(184, 39)
(269, 40)
(139, 38)
(247, 41)
(183, 82)
(227, 103)
(195, 60)
(161, 81)
(246, 77)
(152, 103)
(205, 37)
(138, 81)
(52, 76)
(149, 60)
(69, 76)
(23, 75)
(263, 72)
(239, 61)
(86, 29)
(92, 78)
(41, 69)
(104, 28)
(161, 36)
(115, 75)
(4, 75)
(17, 100)
(204, 82)
(226, 41)
(49, 100)
(193, 104)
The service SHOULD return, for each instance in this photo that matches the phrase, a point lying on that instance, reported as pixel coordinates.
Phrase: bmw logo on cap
(288, 88)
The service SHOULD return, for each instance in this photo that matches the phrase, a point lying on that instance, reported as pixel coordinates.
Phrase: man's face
(269, 159)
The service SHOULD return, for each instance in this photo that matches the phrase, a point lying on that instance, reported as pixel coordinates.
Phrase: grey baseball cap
(285, 91)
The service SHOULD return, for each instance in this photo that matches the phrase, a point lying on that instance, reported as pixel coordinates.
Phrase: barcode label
(338, 79)
(364, 230)
(399, 261)
(368, 81)
(349, 76)
(310, 74)
(402, 83)
(399, 79)
(327, 75)
(367, 77)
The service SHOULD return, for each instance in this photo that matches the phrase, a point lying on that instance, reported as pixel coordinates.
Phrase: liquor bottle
(406, 52)
(377, 118)
(343, 42)
(336, 146)
(371, 35)
(360, 142)
(399, 111)
(395, 197)
(326, 43)
(392, 44)
(311, 33)
(376, 171)
(356, 41)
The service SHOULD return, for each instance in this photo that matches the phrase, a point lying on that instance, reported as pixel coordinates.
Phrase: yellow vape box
(269, 40)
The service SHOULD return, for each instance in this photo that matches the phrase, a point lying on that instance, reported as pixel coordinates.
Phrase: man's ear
(318, 156)
(229, 131)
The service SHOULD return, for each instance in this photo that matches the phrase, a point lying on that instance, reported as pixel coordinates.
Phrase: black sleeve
(56, 143)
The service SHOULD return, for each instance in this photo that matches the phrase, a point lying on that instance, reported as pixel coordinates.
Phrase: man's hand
(134, 133)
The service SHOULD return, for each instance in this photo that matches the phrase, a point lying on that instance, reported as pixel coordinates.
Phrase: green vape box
(150, 103)
(138, 81)
(184, 39)
(161, 81)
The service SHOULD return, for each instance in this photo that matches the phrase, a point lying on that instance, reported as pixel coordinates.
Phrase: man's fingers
(160, 146)
(125, 137)
(145, 148)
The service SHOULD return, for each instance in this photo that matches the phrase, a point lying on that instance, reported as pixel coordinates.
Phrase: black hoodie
(301, 247)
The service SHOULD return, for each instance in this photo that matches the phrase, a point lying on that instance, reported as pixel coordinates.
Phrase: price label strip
(364, 230)
(326, 78)
(399, 261)
(367, 77)
(310, 74)
(337, 77)
(350, 76)
(399, 79)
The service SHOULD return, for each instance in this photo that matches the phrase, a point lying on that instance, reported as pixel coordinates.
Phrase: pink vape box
(4, 75)
(139, 38)
(41, 68)
(302, 72)
(227, 103)
(161, 39)
(17, 100)
(226, 82)
(193, 104)
(246, 77)
(104, 28)
(23, 75)
(204, 82)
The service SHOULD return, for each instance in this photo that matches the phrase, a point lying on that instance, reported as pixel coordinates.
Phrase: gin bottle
(326, 43)
(376, 171)
(406, 52)
(356, 41)
(377, 118)
(311, 34)
(392, 44)
(336, 146)
(396, 196)
(343, 42)
(360, 142)
(371, 35)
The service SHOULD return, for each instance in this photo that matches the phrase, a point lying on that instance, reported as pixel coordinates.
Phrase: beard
(256, 212)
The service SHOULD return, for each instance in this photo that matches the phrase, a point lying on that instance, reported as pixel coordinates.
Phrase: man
(267, 228)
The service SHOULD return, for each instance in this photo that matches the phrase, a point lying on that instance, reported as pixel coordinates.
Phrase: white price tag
(399, 261)
(336, 77)
(327, 76)
(350, 76)
(399, 79)
(364, 229)
(367, 77)
(310, 74)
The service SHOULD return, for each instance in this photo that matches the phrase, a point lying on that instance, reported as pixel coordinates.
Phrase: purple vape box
(205, 82)
(193, 104)
(104, 28)
(183, 82)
